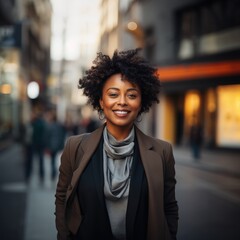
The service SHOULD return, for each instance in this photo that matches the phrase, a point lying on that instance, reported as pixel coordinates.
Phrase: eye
(132, 95)
(112, 95)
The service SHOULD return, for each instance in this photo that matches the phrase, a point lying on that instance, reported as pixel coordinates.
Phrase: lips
(121, 113)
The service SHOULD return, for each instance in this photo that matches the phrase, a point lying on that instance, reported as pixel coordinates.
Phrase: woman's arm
(170, 203)
(65, 176)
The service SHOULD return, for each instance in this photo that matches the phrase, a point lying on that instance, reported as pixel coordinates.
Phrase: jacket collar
(93, 140)
(89, 146)
(149, 158)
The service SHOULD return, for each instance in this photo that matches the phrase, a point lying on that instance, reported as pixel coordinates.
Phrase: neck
(119, 133)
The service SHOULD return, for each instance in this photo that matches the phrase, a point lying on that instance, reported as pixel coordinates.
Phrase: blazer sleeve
(66, 169)
(170, 203)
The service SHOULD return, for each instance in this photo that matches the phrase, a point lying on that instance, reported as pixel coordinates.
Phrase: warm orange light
(192, 102)
(191, 107)
(199, 70)
(211, 103)
(6, 88)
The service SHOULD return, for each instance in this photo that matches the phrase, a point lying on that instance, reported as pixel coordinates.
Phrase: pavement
(40, 218)
(26, 209)
(220, 161)
(32, 205)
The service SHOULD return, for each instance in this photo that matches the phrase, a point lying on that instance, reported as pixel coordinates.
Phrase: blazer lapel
(97, 168)
(153, 167)
(88, 148)
(134, 192)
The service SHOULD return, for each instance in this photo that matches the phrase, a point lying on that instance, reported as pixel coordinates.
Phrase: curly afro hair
(132, 67)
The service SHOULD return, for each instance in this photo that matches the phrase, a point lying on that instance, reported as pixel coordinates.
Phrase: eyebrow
(129, 89)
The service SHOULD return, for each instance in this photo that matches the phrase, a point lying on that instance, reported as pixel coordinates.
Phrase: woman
(117, 182)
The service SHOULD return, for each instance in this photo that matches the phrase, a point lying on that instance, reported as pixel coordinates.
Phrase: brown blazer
(158, 162)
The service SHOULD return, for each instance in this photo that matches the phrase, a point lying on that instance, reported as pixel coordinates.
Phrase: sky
(81, 21)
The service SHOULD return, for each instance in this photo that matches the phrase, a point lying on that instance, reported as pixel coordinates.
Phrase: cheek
(106, 103)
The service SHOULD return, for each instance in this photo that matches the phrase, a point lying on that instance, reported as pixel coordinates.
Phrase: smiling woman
(117, 183)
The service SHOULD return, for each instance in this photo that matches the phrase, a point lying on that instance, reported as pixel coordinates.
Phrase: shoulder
(71, 146)
(161, 146)
(159, 142)
(156, 144)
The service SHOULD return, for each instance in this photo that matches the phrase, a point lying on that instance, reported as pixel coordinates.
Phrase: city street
(208, 193)
(209, 205)
(208, 196)
(26, 210)
(58, 62)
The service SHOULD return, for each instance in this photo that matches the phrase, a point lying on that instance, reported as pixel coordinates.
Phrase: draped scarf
(117, 163)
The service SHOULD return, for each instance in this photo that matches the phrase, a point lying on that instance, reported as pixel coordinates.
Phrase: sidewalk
(218, 161)
(40, 219)
(39, 200)
(5, 144)
(27, 210)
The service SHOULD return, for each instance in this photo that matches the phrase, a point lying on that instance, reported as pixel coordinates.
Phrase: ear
(101, 103)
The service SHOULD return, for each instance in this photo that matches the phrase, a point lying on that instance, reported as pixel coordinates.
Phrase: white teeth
(121, 112)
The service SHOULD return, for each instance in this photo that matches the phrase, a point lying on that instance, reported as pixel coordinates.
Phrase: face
(121, 102)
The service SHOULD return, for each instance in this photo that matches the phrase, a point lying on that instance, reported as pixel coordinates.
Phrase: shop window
(228, 117)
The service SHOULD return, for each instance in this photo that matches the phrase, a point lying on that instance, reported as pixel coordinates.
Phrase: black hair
(133, 68)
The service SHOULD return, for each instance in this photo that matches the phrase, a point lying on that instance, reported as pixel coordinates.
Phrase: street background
(208, 193)
(46, 46)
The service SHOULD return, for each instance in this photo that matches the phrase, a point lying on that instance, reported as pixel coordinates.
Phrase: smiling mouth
(121, 113)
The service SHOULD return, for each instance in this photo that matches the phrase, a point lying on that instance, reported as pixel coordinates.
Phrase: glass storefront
(228, 116)
(218, 111)
(9, 94)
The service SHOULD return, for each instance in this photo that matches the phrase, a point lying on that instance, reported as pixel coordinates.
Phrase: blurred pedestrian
(89, 123)
(117, 182)
(39, 140)
(27, 134)
(55, 138)
(195, 139)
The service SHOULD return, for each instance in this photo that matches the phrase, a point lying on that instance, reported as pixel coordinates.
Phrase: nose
(122, 100)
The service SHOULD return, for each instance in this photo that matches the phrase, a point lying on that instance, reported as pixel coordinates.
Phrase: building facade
(195, 44)
(25, 31)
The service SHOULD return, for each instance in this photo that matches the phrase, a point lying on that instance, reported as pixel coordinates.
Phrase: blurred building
(25, 31)
(75, 30)
(196, 46)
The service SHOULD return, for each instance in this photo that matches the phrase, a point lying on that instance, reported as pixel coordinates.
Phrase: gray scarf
(118, 157)
(117, 162)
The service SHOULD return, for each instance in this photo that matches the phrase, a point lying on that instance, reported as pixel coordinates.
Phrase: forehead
(117, 81)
